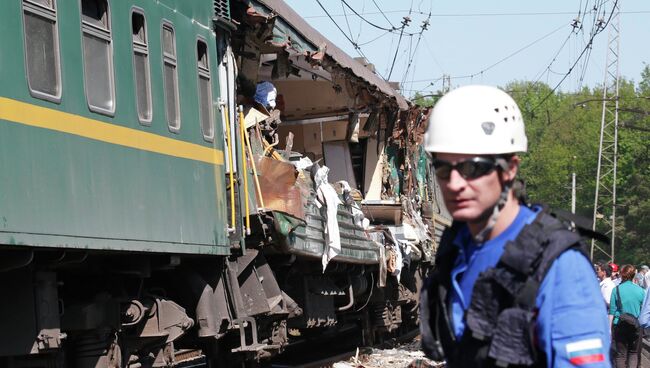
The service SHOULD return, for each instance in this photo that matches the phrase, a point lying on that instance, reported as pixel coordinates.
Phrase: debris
(342, 365)
(406, 355)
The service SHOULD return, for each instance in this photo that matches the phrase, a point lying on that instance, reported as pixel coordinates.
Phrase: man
(511, 285)
(641, 277)
(604, 273)
(644, 321)
(615, 275)
(644, 316)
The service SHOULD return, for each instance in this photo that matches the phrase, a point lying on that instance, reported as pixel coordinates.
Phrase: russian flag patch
(585, 351)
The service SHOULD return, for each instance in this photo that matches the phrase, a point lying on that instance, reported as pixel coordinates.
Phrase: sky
(485, 42)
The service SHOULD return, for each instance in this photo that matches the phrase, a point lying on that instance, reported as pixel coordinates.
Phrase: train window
(97, 56)
(141, 67)
(205, 90)
(171, 77)
(42, 49)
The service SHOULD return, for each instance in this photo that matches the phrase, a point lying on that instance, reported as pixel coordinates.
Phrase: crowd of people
(625, 291)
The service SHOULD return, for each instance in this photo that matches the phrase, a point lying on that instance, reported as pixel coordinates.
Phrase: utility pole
(573, 187)
(604, 219)
(446, 83)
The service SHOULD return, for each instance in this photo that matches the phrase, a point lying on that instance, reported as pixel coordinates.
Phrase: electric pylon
(605, 198)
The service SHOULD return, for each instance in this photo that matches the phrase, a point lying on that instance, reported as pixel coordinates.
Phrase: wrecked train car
(348, 208)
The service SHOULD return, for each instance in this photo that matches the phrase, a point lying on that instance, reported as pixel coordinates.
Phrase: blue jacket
(572, 327)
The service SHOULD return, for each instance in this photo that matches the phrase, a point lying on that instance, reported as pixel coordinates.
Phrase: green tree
(425, 100)
(564, 130)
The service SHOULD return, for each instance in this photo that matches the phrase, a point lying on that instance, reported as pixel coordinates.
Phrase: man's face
(472, 200)
(600, 273)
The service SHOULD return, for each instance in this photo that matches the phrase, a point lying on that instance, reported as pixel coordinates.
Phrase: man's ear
(513, 167)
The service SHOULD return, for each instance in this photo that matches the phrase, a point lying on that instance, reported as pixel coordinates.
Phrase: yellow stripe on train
(42, 117)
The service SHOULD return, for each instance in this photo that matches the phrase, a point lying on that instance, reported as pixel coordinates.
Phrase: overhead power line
(382, 13)
(475, 14)
(521, 49)
(356, 46)
(601, 25)
(405, 23)
(392, 29)
(424, 27)
(510, 55)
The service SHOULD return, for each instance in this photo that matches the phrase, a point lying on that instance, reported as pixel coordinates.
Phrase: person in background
(604, 273)
(644, 316)
(626, 298)
(615, 275)
(640, 277)
(512, 285)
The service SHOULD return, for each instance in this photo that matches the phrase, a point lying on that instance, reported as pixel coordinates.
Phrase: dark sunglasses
(469, 169)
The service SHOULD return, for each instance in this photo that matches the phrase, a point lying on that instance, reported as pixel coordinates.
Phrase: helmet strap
(503, 199)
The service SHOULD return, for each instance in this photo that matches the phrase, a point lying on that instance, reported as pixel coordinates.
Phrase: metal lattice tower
(605, 198)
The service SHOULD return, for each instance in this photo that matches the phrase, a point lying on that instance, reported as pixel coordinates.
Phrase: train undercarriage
(87, 310)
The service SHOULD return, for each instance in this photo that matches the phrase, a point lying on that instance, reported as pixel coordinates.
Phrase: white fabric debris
(410, 233)
(412, 216)
(303, 163)
(327, 196)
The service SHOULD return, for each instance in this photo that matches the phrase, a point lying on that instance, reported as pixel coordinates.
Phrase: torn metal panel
(293, 33)
(306, 237)
(277, 182)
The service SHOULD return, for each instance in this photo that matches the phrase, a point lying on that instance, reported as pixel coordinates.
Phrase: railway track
(307, 357)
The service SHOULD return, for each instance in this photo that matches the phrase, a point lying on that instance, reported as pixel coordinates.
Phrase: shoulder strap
(619, 305)
(582, 225)
(533, 252)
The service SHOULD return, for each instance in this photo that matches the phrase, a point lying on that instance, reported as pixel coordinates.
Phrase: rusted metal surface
(278, 184)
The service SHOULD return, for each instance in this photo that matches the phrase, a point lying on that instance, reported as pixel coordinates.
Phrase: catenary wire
(584, 50)
(347, 22)
(356, 46)
(477, 14)
(392, 29)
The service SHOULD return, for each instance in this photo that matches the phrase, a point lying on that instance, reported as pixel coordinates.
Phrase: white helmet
(478, 120)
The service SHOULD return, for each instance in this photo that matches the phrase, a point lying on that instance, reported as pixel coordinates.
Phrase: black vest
(500, 321)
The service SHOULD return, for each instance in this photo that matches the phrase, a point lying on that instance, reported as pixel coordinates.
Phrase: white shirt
(606, 287)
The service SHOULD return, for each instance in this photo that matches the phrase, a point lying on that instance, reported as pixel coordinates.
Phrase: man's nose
(456, 181)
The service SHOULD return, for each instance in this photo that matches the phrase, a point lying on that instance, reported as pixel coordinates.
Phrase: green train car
(112, 169)
(122, 201)
(108, 127)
